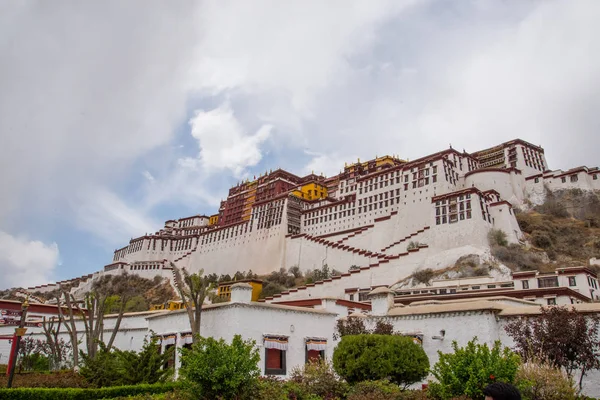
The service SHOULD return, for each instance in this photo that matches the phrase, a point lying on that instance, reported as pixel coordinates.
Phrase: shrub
(374, 390)
(517, 258)
(350, 326)
(213, 368)
(103, 370)
(116, 367)
(497, 237)
(83, 394)
(541, 381)
(318, 378)
(267, 388)
(371, 357)
(383, 390)
(383, 327)
(413, 245)
(541, 239)
(57, 379)
(423, 275)
(145, 366)
(553, 206)
(470, 369)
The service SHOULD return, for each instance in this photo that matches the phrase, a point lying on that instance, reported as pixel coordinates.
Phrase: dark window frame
(276, 371)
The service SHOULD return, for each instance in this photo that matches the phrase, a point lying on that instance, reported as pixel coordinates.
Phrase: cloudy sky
(115, 116)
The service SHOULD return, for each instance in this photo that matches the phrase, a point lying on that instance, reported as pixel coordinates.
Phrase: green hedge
(84, 394)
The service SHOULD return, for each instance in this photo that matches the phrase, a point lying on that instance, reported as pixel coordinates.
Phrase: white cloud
(81, 98)
(327, 164)
(148, 176)
(25, 262)
(84, 103)
(223, 141)
(101, 212)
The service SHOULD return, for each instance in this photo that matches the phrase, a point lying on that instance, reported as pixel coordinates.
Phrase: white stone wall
(509, 184)
(461, 326)
(252, 322)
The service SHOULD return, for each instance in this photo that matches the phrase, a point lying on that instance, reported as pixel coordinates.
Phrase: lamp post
(20, 331)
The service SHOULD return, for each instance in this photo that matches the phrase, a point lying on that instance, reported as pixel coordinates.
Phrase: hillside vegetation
(564, 231)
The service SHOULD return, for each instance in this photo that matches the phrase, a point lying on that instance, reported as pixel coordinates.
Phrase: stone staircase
(404, 239)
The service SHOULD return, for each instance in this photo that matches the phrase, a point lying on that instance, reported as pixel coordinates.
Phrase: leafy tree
(214, 369)
(193, 289)
(56, 349)
(350, 326)
(251, 275)
(239, 276)
(371, 357)
(566, 338)
(470, 369)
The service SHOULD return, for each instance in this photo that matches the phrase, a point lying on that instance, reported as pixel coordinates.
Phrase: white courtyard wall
(252, 322)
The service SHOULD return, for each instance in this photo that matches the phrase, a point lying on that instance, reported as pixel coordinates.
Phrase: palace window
(574, 178)
(572, 281)
(595, 177)
(525, 284)
(563, 179)
(551, 301)
(275, 355)
(315, 349)
(548, 282)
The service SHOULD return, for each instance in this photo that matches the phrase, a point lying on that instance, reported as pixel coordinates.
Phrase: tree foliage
(566, 338)
(470, 369)
(371, 357)
(214, 369)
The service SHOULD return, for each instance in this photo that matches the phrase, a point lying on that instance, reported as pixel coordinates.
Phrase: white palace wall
(510, 184)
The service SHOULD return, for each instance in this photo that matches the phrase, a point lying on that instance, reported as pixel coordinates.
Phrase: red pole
(13, 347)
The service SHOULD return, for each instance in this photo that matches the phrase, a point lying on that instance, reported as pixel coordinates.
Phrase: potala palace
(378, 221)
(366, 217)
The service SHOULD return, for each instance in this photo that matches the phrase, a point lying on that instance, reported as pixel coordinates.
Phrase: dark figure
(501, 391)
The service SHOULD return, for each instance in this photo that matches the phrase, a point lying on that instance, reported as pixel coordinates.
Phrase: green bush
(83, 394)
(470, 369)
(116, 367)
(374, 390)
(318, 378)
(372, 357)
(213, 368)
(145, 366)
(541, 381)
(54, 379)
(383, 390)
(103, 370)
